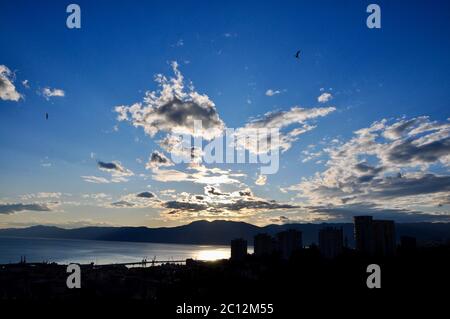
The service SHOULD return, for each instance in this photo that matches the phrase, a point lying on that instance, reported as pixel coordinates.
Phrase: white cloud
(49, 92)
(26, 84)
(230, 35)
(389, 166)
(8, 91)
(198, 174)
(177, 146)
(324, 97)
(167, 192)
(95, 179)
(296, 115)
(179, 43)
(310, 155)
(258, 129)
(271, 92)
(171, 175)
(172, 109)
(96, 196)
(41, 195)
(261, 180)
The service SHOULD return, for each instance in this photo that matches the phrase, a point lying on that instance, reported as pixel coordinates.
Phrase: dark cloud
(399, 165)
(364, 167)
(347, 212)
(18, 207)
(399, 186)
(122, 204)
(217, 203)
(409, 151)
(158, 159)
(116, 169)
(255, 204)
(178, 113)
(111, 166)
(280, 219)
(173, 109)
(365, 178)
(211, 190)
(369, 172)
(139, 200)
(185, 206)
(236, 205)
(2, 84)
(401, 128)
(146, 195)
(246, 192)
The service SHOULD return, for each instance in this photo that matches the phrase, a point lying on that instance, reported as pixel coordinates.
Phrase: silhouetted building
(238, 249)
(331, 241)
(408, 244)
(374, 237)
(288, 242)
(384, 237)
(363, 234)
(345, 242)
(264, 245)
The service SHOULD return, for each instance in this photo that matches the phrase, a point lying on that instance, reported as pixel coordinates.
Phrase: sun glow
(213, 254)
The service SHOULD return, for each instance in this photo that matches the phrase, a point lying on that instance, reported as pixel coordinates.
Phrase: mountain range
(218, 232)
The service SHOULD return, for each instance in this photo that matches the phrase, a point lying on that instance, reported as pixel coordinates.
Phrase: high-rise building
(331, 241)
(364, 234)
(288, 242)
(384, 237)
(238, 249)
(264, 245)
(374, 237)
(408, 244)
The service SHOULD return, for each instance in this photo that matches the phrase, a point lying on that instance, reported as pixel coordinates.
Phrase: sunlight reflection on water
(103, 252)
(213, 254)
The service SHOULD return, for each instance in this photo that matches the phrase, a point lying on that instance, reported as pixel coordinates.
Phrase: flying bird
(297, 55)
(46, 116)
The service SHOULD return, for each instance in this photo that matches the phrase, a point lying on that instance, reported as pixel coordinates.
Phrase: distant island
(219, 232)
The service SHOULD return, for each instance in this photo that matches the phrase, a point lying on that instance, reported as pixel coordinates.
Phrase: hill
(217, 232)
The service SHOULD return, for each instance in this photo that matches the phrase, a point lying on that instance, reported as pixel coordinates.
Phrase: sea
(66, 251)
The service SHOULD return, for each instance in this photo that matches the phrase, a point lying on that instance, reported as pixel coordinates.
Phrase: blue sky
(234, 53)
